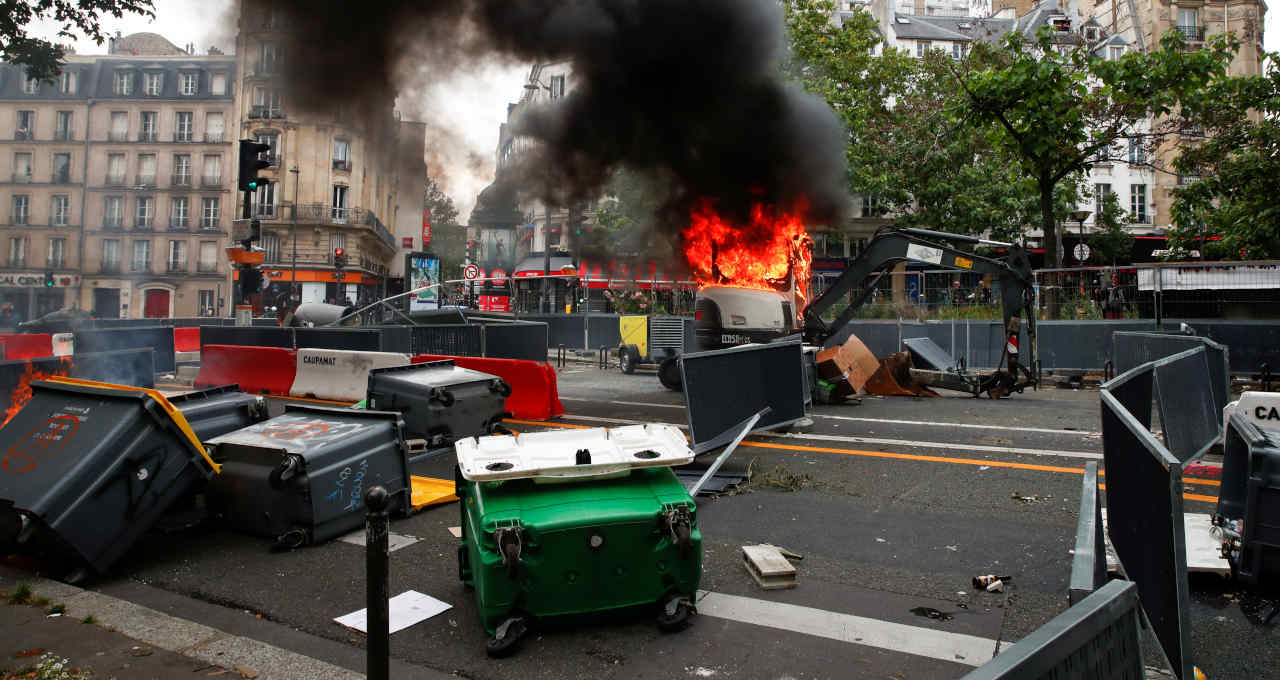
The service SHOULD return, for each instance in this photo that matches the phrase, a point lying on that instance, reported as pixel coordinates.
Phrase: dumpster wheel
(669, 374)
(675, 614)
(628, 358)
(506, 638)
(291, 539)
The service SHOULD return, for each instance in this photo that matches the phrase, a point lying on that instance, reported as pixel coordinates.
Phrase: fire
(21, 394)
(766, 252)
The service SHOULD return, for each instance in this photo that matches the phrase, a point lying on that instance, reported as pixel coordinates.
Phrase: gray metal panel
(520, 340)
(1089, 564)
(1144, 520)
(1239, 441)
(665, 332)
(1191, 420)
(724, 387)
(926, 353)
(1097, 639)
(1131, 349)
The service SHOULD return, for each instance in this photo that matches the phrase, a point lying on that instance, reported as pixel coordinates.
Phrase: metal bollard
(1108, 370)
(1265, 378)
(603, 362)
(561, 356)
(378, 662)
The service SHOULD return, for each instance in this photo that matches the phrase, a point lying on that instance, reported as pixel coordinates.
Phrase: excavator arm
(888, 248)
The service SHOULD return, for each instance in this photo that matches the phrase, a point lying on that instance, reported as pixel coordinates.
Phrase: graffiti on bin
(47, 438)
(315, 432)
(353, 495)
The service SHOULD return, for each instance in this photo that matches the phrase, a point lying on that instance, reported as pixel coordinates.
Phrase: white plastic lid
(555, 453)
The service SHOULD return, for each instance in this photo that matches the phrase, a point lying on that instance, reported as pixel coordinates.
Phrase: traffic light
(339, 258)
(48, 279)
(471, 251)
(250, 164)
(250, 280)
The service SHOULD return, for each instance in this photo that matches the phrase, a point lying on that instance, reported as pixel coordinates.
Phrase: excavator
(726, 316)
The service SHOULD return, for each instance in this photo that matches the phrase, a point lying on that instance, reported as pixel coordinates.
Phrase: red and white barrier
(186, 339)
(338, 374)
(534, 395)
(258, 370)
(28, 346)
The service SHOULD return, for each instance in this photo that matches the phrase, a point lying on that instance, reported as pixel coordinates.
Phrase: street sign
(1081, 252)
(499, 277)
(471, 272)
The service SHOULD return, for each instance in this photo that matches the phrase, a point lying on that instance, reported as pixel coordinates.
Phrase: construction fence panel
(1133, 349)
(157, 338)
(246, 336)
(1089, 563)
(520, 340)
(455, 340)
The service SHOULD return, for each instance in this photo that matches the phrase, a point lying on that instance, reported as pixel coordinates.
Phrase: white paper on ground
(407, 609)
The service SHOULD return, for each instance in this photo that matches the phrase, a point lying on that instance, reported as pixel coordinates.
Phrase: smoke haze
(685, 92)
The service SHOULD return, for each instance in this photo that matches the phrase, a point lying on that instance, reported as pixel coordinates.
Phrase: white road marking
(849, 439)
(969, 650)
(971, 426)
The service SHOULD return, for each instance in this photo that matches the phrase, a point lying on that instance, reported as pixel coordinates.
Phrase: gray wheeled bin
(1250, 493)
(219, 410)
(440, 401)
(300, 477)
(86, 470)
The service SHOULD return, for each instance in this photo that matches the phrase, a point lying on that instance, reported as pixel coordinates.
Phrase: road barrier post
(378, 663)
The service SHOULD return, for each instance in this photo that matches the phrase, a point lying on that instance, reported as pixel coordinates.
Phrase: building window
(870, 208)
(190, 83)
(1116, 53)
(957, 51)
(1091, 33)
(182, 170)
(341, 154)
(151, 84)
(17, 251)
(111, 255)
(265, 200)
(270, 62)
(146, 169)
(22, 168)
(26, 126)
(209, 212)
(67, 82)
(21, 213)
(141, 257)
(271, 246)
(115, 169)
(1189, 24)
(213, 126)
(113, 212)
(1137, 152)
(61, 212)
(267, 103)
(272, 140)
(557, 87)
(182, 131)
(1100, 192)
(212, 175)
(180, 215)
(218, 84)
(148, 131)
(177, 256)
(339, 209)
(57, 253)
(62, 126)
(61, 168)
(145, 212)
(119, 126)
(338, 240)
(206, 302)
(124, 83)
(208, 257)
(30, 85)
(923, 46)
(1138, 204)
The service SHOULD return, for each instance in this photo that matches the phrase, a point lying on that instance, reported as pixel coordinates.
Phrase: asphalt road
(895, 504)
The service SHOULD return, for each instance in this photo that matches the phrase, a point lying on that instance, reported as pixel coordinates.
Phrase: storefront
(316, 286)
(26, 296)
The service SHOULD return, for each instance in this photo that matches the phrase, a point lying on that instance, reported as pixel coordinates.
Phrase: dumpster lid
(557, 453)
(306, 428)
(428, 373)
(172, 411)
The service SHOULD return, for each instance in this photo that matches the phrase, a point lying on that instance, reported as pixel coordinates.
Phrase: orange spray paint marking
(47, 438)
(292, 431)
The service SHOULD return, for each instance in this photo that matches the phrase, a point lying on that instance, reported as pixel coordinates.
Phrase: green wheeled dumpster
(578, 522)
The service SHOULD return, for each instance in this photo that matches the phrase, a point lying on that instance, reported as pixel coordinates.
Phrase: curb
(187, 638)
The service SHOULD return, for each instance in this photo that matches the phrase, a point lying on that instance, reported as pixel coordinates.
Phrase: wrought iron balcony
(213, 137)
(115, 180)
(113, 223)
(56, 221)
(261, 111)
(176, 267)
(343, 165)
(17, 262)
(23, 135)
(20, 220)
(144, 224)
(211, 180)
(207, 267)
(181, 180)
(147, 136)
(63, 135)
(209, 224)
(140, 266)
(22, 178)
(179, 224)
(56, 262)
(109, 267)
(1192, 33)
(181, 137)
(63, 177)
(146, 180)
(117, 136)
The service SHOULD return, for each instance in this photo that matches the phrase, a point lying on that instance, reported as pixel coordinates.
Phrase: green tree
(448, 238)
(1238, 166)
(1057, 111)
(43, 59)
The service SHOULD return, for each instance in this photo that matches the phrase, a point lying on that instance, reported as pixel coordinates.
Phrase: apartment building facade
(116, 178)
(332, 185)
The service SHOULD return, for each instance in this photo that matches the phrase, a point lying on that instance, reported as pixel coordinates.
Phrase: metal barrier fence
(1089, 564)
(157, 338)
(1144, 510)
(460, 340)
(1193, 290)
(1097, 638)
(1131, 350)
(517, 340)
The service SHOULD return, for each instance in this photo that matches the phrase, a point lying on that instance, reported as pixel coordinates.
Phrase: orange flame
(22, 393)
(765, 253)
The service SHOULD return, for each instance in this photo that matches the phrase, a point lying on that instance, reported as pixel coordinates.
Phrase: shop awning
(599, 274)
(532, 267)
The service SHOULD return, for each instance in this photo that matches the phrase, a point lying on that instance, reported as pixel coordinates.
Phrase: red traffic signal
(339, 258)
(337, 252)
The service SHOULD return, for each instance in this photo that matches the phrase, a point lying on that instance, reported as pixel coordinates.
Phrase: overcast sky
(470, 108)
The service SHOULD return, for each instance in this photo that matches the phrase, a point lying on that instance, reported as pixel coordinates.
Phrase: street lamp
(1080, 216)
(295, 293)
(545, 305)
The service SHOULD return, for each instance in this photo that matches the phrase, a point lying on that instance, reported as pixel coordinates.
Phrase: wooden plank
(768, 567)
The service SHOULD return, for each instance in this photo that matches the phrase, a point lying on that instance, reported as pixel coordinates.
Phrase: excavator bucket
(893, 378)
(847, 367)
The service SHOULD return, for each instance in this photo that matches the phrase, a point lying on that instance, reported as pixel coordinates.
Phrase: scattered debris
(880, 540)
(783, 479)
(995, 587)
(456, 531)
(931, 613)
(407, 609)
(1034, 498)
(29, 652)
(985, 580)
(768, 566)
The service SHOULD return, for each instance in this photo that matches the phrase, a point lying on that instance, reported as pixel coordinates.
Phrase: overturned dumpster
(88, 467)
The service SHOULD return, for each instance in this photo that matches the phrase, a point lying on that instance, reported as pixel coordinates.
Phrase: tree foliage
(42, 58)
(1110, 243)
(1238, 165)
(1058, 110)
(448, 238)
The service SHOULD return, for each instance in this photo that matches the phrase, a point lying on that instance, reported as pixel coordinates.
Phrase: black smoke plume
(685, 92)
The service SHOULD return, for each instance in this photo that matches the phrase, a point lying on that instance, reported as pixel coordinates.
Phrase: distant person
(6, 317)
(984, 292)
(957, 295)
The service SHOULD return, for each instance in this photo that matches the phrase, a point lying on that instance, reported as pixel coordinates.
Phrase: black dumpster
(441, 401)
(87, 469)
(219, 410)
(300, 478)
